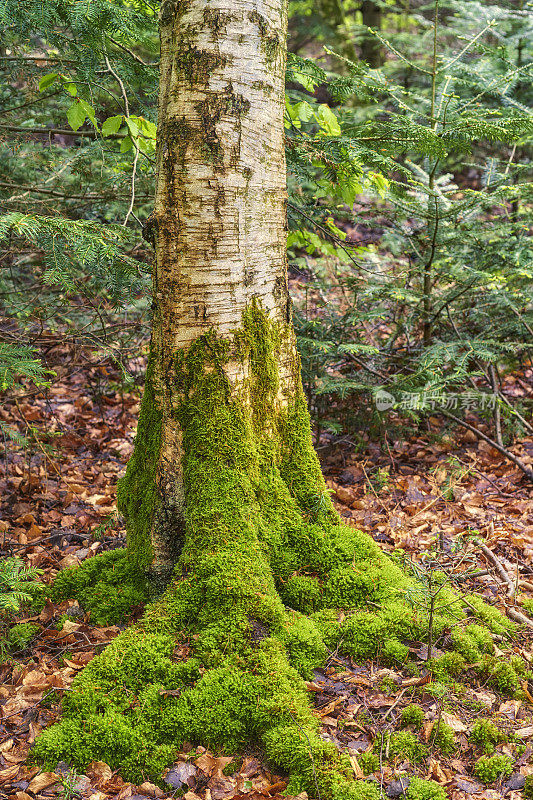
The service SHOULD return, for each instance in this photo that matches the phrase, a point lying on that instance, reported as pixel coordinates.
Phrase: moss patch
(404, 746)
(137, 495)
(442, 737)
(528, 788)
(420, 789)
(491, 768)
(485, 735)
(106, 586)
(412, 715)
(263, 548)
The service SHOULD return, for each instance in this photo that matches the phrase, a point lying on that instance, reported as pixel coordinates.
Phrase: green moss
(263, 547)
(472, 642)
(304, 645)
(518, 664)
(443, 737)
(137, 495)
(394, 652)
(362, 634)
(405, 746)
(447, 666)
(301, 593)
(490, 768)
(329, 627)
(19, 636)
(527, 791)
(527, 605)
(412, 715)
(234, 766)
(502, 676)
(387, 684)
(349, 790)
(436, 689)
(490, 616)
(485, 735)
(420, 789)
(107, 586)
(368, 761)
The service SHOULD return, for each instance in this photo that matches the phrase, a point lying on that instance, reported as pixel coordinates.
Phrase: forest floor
(57, 508)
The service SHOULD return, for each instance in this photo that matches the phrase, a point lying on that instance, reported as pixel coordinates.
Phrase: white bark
(221, 189)
(219, 222)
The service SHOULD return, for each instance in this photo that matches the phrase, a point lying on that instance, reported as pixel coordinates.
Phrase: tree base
(268, 582)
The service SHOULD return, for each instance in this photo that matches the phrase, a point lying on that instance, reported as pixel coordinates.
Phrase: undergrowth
(267, 582)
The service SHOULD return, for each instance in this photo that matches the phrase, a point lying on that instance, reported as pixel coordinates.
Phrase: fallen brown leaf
(42, 781)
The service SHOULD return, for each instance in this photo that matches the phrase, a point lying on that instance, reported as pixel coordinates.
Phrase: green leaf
(76, 115)
(126, 144)
(304, 111)
(146, 146)
(379, 182)
(111, 125)
(299, 112)
(143, 127)
(89, 112)
(133, 128)
(71, 88)
(305, 80)
(48, 80)
(328, 120)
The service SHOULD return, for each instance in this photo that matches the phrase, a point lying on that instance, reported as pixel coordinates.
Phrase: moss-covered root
(263, 549)
(107, 586)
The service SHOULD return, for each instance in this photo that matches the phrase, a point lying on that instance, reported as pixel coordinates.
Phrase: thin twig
(119, 81)
(504, 575)
(516, 616)
(133, 176)
(131, 53)
(92, 134)
(521, 466)
(393, 706)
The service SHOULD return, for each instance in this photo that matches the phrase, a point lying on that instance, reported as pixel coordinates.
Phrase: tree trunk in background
(371, 49)
(219, 231)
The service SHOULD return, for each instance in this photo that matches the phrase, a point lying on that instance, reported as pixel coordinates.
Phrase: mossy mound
(491, 768)
(485, 735)
(107, 587)
(412, 715)
(266, 582)
(443, 737)
(420, 789)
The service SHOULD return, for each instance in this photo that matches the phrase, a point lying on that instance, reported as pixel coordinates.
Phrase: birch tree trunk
(219, 232)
